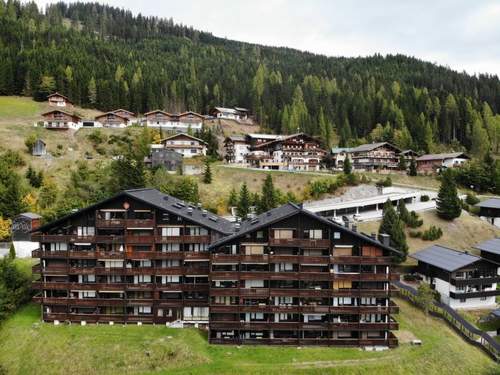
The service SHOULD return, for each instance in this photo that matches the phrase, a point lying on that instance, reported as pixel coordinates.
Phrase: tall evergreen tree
(412, 171)
(243, 208)
(347, 167)
(393, 226)
(268, 196)
(207, 176)
(448, 203)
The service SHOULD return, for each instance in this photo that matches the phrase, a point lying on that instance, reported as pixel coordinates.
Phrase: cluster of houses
(60, 118)
(302, 152)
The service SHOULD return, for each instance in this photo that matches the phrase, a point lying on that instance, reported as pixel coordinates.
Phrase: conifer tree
(207, 177)
(403, 212)
(12, 251)
(243, 207)
(402, 163)
(412, 171)
(393, 226)
(233, 198)
(347, 166)
(448, 203)
(268, 197)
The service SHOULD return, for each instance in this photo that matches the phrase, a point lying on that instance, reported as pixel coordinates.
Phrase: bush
(100, 150)
(414, 221)
(415, 234)
(409, 277)
(13, 159)
(97, 137)
(387, 182)
(424, 198)
(432, 234)
(471, 199)
(474, 210)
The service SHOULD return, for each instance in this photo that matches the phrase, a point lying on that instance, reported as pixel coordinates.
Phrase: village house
(124, 113)
(235, 113)
(236, 148)
(433, 163)
(39, 148)
(58, 119)
(185, 144)
(168, 159)
(375, 156)
(180, 123)
(112, 120)
(408, 155)
(287, 277)
(339, 155)
(463, 280)
(489, 209)
(58, 100)
(293, 152)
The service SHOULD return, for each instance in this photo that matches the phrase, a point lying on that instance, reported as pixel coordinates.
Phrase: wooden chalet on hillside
(113, 120)
(374, 156)
(59, 100)
(286, 277)
(58, 119)
(235, 113)
(433, 163)
(186, 145)
(175, 122)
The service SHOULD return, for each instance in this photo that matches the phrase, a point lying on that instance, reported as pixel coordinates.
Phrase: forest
(105, 57)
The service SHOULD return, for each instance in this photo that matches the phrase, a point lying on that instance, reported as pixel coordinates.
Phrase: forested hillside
(106, 57)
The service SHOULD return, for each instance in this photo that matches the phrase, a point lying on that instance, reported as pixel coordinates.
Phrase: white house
(58, 119)
(176, 122)
(236, 149)
(112, 120)
(235, 113)
(185, 144)
(463, 280)
(432, 163)
(58, 100)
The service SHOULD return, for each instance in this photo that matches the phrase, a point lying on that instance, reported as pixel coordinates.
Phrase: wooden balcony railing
(361, 260)
(300, 242)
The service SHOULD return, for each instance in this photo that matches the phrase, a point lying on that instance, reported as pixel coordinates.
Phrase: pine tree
(347, 166)
(12, 251)
(243, 207)
(393, 226)
(448, 203)
(207, 177)
(268, 196)
(412, 171)
(92, 91)
(403, 212)
(402, 163)
(233, 198)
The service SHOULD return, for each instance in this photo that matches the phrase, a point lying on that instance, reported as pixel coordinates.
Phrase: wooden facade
(176, 122)
(289, 277)
(113, 120)
(58, 100)
(185, 144)
(375, 156)
(60, 120)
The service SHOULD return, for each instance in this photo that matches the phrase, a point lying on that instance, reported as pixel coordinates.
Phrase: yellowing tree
(5, 225)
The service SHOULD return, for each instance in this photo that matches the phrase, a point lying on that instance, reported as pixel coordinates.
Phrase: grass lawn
(30, 347)
(12, 107)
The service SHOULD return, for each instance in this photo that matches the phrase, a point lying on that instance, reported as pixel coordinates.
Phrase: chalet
(339, 155)
(490, 250)
(235, 113)
(236, 149)
(290, 277)
(124, 113)
(58, 100)
(375, 156)
(180, 123)
(185, 144)
(168, 159)
(433, 163)
(294, 152)
(138, 257)
(22, 226)
(254, 139)
(58, 119)
(112, 120)
(463, 280)
(39, 148)
(286, 277)
(490, 210)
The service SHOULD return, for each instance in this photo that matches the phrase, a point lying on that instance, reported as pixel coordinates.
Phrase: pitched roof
(185, 135)
(445, 258)
(61, 95)
(113, 113)
(157, 111)
(490, 246)
(30, 215)
(263, 136)
(123, 110)
(489, 203)
(282, 138)
(337, 150)
(59, 110)
(163, 202)
(228, 110)
(241, 109)
(236, 138)
(373, 146)
(288, 210)
(450, 155)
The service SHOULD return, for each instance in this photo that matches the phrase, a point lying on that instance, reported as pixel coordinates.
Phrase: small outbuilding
(39, 148)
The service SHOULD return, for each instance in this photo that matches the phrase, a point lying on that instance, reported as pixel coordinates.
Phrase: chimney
(385, 239)
(237, 227)
(190, 210)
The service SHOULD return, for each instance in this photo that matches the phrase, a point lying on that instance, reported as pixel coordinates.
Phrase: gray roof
(30, 215)
(490, 246)
(450, 155)
(337, 150)
(445, 258)
(237, 138)
(489, 203)
(163, 202)
(372, 146)
(287, 210)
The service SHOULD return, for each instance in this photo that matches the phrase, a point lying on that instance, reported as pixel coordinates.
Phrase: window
(193, 151)
(313, 234)
(285, 267)
(171, 231)
(336, 235)
(142, 279)
(285, 300)
(58, 246)
(144, 310)
(85, 231)
(196, 231)
(195, 313)
(371, 251)
(254, 283)
(259, 234)
(342, 251)
(462, 300)
(256, 316)
(113, 263)
(87, 294)
(254, 249)
(283, 234)
(342, 284)
(170, 247)
(197, 247)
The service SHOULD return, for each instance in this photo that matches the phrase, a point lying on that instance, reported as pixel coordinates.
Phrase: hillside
(106, 57)
(30, 347)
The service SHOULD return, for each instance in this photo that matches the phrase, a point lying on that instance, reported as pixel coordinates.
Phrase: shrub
(474, 210)
(432, 234)
(13, 159)
(97, 137)
(414, 221)
(409, 277)
(100, 150)
(425, 198)
(387, 182)
(471, 199)
(415, 234)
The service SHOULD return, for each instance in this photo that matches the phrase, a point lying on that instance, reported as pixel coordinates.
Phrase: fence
(469, 332)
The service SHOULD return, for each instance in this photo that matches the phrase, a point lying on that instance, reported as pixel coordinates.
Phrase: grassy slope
(461, 233)
(27, 347)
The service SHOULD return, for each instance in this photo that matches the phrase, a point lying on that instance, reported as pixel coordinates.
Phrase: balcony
(182, 239)
(365, 276)
(299, 242)
(82, 254)
(141, 255)
(112, 223)
(476, 294)
(140, 239)
(361, 260)
(204, 255)
(140, 223)
(170, 255)
(475, 281)
(224, 258)
(53, 270)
